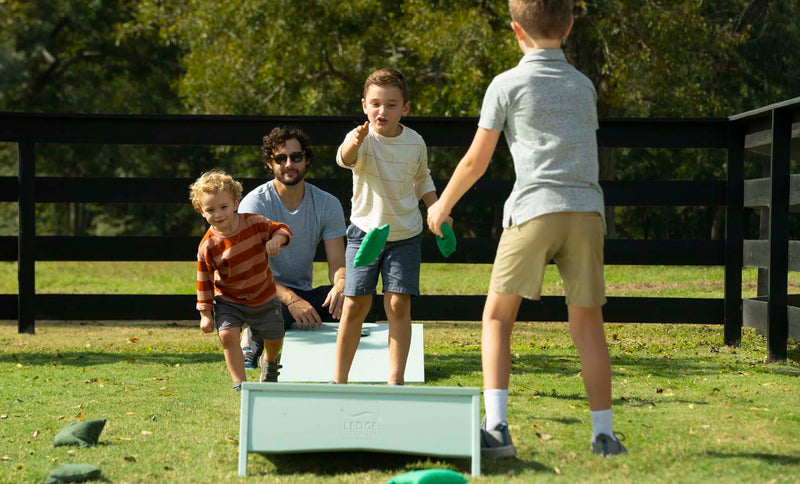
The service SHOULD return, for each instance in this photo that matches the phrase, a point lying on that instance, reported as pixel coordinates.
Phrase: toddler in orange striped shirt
(234, 281)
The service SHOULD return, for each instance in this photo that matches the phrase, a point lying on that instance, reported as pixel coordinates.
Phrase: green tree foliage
(647, 58)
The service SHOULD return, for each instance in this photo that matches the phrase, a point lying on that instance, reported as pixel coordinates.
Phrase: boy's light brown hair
(542, 19)
(387, 77)
(214, 181)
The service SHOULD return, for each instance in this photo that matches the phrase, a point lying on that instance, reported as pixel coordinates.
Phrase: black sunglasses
(296, 157)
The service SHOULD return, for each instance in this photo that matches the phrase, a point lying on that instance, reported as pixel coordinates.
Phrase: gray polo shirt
(319, 217)
(547, 110)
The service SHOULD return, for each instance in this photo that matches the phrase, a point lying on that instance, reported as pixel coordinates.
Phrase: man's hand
(304, 313)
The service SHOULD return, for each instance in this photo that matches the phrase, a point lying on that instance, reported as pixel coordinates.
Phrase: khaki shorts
(574, 240)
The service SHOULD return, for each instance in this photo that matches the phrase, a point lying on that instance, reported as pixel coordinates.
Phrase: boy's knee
(357, 303)
(230, 335)
(396, 302)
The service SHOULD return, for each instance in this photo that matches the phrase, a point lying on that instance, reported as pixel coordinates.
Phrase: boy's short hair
(279, 136)
(214, 181)
(547, 19)
(388, 77)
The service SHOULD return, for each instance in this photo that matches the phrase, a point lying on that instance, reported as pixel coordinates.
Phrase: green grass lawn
(179, 278)
(692, 409)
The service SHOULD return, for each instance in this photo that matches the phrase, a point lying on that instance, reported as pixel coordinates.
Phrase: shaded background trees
(647, 58)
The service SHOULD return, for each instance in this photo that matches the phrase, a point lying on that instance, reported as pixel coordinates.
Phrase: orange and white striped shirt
(236, 267)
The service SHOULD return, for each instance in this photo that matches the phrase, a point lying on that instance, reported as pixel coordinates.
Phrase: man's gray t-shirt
(547, 111)
(319, 217)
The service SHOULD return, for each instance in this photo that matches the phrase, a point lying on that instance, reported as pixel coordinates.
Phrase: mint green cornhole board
(302, 417)
(308, 355)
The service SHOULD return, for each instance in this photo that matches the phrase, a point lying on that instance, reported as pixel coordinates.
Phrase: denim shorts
(398, 265)
(265, 321)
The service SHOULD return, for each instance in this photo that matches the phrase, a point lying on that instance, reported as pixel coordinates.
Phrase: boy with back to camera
(233, 276)
(547, 111)
(390, 175)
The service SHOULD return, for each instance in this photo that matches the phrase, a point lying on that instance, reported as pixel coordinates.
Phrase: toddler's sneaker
(609, 445)
(237, 387)
(496, 443)
(269, 371)
(250, 358)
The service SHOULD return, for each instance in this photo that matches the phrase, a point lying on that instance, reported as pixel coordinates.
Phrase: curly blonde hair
(213, 181)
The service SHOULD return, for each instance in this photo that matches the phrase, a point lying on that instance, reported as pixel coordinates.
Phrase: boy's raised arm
(352, 143)
(471, 167)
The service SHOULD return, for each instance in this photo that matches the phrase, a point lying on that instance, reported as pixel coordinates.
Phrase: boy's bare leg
(233, 353)
(499, 315)
(589, 337)
(272, 348)
(398, 312)
(354, 311)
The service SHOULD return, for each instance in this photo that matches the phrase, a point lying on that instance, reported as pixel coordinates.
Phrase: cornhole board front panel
(302, 417)
(308, 355)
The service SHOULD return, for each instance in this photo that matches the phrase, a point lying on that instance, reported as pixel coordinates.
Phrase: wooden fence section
(28, 130)
(773, 131)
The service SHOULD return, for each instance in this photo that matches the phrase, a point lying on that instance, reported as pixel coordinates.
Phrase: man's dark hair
(279, 136)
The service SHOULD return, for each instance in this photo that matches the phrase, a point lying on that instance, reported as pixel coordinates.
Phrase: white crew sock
(496, 403)
(602, 423)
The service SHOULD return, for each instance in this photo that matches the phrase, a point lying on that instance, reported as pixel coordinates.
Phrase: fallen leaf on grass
(3, 417)
(544, 436)
(230, 439)
(133, 340)
(35, 433)
(759, 409)
(5, 457)
(147, 432)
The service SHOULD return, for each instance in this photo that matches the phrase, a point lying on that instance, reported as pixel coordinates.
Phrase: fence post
(734, 234)
(25, 241)
(777, 300)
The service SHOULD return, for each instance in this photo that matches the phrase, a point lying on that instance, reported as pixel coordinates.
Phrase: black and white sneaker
(496, 443)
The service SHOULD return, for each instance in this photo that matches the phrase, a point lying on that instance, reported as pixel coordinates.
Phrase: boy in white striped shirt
(390, 175)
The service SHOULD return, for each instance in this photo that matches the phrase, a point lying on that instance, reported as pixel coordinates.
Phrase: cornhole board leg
(298, 417)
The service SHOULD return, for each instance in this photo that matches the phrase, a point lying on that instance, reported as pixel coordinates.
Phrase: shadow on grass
(779, 459)
(95, 358)
(333, 463)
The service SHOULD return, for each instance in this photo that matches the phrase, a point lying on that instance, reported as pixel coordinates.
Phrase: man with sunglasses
(313, 215)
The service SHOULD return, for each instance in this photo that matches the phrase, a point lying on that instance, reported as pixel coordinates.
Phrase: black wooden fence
(752, 130)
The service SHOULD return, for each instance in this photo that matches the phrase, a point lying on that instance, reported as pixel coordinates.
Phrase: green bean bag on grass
(429, 476)
(371, 246)
(74, 473)
(84, 434)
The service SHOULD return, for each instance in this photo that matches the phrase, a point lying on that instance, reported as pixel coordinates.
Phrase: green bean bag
(84, 434)
(74, 473)
(429, 476)
(447, 244)
(371, 246)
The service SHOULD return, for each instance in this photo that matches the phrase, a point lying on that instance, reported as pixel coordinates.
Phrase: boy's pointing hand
(361, 133)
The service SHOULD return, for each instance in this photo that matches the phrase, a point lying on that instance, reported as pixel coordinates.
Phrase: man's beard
(290, 182)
